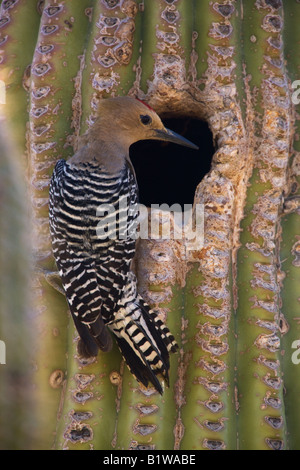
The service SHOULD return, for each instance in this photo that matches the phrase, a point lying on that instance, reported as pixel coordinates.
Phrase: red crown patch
(145, 104)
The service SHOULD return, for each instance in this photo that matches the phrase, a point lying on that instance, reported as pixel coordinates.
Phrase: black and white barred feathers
(100, 288)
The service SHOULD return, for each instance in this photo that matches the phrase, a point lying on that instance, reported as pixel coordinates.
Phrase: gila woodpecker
(100, 287)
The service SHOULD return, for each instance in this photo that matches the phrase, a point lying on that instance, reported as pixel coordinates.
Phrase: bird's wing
(76, 268)
(85, 301)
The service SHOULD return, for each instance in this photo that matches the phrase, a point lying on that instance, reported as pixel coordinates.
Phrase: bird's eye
(145, 119)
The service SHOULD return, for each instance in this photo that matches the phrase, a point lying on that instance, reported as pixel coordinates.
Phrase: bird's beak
(170, 136)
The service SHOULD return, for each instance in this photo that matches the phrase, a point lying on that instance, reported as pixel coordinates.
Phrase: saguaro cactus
(233, 303)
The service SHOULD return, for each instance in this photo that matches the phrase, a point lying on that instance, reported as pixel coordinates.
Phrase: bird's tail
(144, 341)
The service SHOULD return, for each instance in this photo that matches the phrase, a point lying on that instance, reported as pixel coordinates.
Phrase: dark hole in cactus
(169, 173)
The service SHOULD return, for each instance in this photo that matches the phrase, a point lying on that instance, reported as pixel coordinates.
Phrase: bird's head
(130, 120)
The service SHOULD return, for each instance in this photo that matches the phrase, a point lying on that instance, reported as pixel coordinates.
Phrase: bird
(93, 211)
